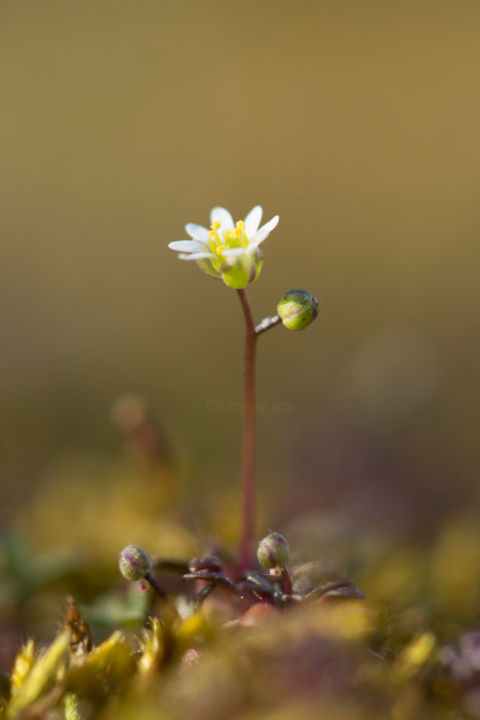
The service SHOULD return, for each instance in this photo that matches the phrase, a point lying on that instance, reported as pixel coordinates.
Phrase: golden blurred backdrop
(356, 122)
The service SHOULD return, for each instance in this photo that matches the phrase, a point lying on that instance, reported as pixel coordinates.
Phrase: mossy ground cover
(407, 649)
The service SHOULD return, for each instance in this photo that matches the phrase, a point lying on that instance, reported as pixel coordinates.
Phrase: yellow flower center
(227, 239)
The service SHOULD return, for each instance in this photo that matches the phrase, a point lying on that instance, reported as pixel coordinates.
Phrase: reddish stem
(156, 586)
(286, 581)
(248, 470)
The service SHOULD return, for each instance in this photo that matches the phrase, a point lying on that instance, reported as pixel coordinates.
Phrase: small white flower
(229, 251)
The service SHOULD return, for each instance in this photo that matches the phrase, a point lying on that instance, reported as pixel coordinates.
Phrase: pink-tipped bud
(134, 563)
(273, 551)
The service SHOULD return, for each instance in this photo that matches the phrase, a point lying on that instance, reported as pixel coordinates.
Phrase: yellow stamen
(233, 238)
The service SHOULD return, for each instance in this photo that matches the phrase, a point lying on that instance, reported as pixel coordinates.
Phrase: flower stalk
(248, 464)
(231, 252)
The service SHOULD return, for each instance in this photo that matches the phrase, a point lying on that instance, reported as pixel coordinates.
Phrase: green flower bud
(134, 563)
(297, 309)
(273, 551)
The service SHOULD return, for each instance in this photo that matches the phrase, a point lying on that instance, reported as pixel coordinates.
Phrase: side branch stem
(248, 464)
(267, 323)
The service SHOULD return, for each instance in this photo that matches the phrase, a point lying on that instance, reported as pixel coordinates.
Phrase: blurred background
(358, 124)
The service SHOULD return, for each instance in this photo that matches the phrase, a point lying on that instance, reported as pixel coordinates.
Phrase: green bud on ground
(297, 309)
(273, 551)
(134, 563)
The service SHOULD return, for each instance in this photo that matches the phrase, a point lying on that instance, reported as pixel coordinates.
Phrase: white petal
(197, 232)
(252, 221)
(233, 252)
(196, 256)
(187, 246)
(265, 231)
(222, 216)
